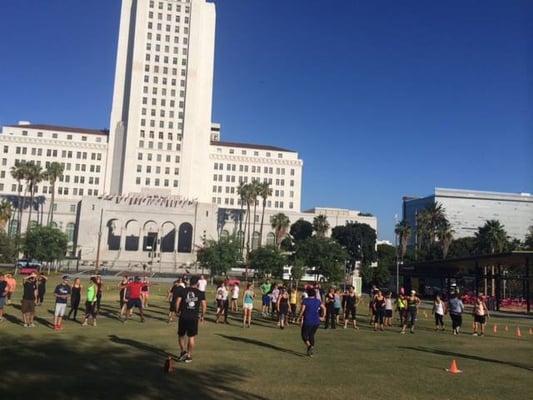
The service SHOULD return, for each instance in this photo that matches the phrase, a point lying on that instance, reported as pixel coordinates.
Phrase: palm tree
(54, 171)
(280, 223)
(34, 175)
(254, 192)
(320, 225)
(18, 172)
(435, 217)
(491, 238)
(265, 191)
(6, 210)
(445, 235)
(403, 231)
(241, 191)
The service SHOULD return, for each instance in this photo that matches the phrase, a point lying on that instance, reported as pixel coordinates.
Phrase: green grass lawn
(125, 361)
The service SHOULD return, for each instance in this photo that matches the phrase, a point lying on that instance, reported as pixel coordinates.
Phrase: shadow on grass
(467, 356)
(261, 344)
(82, 368)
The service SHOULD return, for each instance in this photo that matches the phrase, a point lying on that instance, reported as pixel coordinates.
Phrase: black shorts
(172, 306)
(187, 327)
(388, 313)
(479, 319)
(134, 303)
(350, 311)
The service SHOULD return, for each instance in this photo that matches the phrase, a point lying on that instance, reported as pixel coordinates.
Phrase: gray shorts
(60, 309)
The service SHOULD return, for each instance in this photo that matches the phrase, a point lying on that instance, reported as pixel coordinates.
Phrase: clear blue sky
(380, 98)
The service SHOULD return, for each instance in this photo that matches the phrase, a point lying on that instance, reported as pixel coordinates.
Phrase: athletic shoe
(94, 323)
(474, 334)
(182, 356)
(188, 359)
(26, 325)
(310, 351)
(32, 325)
(84, 323)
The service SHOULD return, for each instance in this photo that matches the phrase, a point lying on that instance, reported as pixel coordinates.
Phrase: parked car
(26, 267)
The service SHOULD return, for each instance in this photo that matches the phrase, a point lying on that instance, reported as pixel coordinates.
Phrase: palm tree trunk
(23, 204)
(255, 214)
(19, 207)
(52, 202)
(262, 221)
(243, 239)
(31, 207)
(249, 226)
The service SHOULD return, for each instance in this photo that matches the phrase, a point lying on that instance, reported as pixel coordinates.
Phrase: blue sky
(380, 98)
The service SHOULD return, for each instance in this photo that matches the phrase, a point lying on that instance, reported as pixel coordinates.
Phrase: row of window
(37, 151)
(160, 145)
(244, 152)
(55, 136)
(67, 166)
(233, 190)
(157, 182)
(229, 201)
(160, 135)
(253, 169)
(244, 179)
(158, 157)
(170, 6)
(148, 169)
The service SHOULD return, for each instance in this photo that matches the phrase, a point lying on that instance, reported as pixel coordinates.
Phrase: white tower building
(160, 124)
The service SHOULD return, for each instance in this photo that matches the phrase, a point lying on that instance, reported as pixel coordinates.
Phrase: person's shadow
(261, 344)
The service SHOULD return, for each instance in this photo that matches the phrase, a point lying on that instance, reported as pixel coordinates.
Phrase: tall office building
(161, 114)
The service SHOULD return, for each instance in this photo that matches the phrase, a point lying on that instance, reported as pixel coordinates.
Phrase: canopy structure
(505, 278)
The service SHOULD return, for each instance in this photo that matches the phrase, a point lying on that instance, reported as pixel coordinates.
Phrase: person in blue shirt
(311, 314)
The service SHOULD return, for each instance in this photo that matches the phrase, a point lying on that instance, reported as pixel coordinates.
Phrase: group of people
(286, 305)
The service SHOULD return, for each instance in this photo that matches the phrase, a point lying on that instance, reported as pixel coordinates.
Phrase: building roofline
(250, 146)
(59, 128)
(482, 192)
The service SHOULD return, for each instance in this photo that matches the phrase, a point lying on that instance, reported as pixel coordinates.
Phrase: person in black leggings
(379, 310)
(75, 298)
(41, 289)
(310, 312)
(330, 309)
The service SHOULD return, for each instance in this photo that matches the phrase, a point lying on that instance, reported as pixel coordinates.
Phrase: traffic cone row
(518, 332)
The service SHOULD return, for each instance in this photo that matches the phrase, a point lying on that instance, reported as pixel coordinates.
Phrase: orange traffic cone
(453, 368)
(518, 333)
(506, 328)
(495, 329)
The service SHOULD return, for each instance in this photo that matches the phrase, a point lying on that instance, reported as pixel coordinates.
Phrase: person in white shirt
(235, 297)
(438, 311)
(222, 303)
(202, 284)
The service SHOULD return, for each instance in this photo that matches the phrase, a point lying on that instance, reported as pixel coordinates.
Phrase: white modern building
(467, 210)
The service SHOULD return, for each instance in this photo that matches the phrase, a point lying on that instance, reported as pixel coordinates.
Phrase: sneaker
(474, 334)
(188, 359)
(182, 356)
(310, 351)
(26, 325)
(32, 325)
(84, 323)
(94, 323)
(402, 332)
(481, 334)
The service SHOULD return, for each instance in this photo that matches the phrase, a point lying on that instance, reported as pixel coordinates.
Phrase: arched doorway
(168, 237)
(185, 238)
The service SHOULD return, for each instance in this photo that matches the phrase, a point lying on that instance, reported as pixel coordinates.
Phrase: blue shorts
(134, 303)
(266, 300)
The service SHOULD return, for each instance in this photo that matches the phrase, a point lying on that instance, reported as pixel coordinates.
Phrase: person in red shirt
(134, 296)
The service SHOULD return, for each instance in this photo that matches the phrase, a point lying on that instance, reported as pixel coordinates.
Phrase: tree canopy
(325, 256)
(359, 241)
(45, 243)
(220, 255)
(301, 230)
(268, 261)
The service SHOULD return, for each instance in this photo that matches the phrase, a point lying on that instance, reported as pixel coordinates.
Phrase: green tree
(528, 242)
(265, 191)
(45, 243)
(324, 256)
(6, 211)
(8, 249)
(386, 262)
(301, 230)
(359, 240)
(297, 270)
(320, 225)
(463, 247)
(403, 232)
(254, 192)
(268, 261)
(220, 255)
(34, 175)
(491, 238)
(280, 223)
(429, 222)
(53, 172)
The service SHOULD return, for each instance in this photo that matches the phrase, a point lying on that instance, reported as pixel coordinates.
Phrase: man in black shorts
(190, 303)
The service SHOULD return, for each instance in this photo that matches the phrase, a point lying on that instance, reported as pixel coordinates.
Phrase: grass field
(125, 361)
